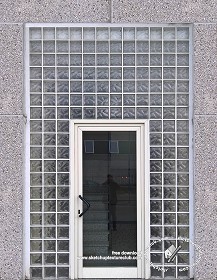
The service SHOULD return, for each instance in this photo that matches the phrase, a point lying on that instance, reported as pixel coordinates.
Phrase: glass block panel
(155, 192)
(35, 46)
(156, 153)
(169, 153)
(142, 113)
(156, 179)
(168, 126)
(170, 192)
(142, 47)
(156, 139)
(155, 126)
(129, 113)
(169, 206)
(49, 259)
(182, 165)
(155, 113)
(103, 113)
(155, 47)
(168, 99)
(169, 165)
(169, 179)
(115, 113)
(142, 73)
(142, 99)
(155, 219)
(76, 47)
(115, 86)
(89, 47)
(169, 46)
(170, 219)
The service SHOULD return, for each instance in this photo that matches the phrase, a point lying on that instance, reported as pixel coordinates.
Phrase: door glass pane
(109, 185)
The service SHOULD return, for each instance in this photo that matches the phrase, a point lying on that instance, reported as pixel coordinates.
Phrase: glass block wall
(108, 72)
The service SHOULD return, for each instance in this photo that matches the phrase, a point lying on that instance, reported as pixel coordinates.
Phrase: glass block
(76, 100)
(49, 73)
(75, 47)
(48, 33)
(116, 47)
(49, 86)
(155, 205)
(62, 113)
(182, 153)
(49, 113)
(102, 33)
(169, 232)
(49, 100)
(156, 86)
(142, 99)
(35, 73)
(62, 33)
(129, 33)
(169, 219)
(62, 60)
(155, 73)
(88, 73)
(142, 47)
(49, 152)
(169, 60)
(169, 165)
(169, 86)
(155, 113)
(35, 86)
(129, 113)
(89, 113)
(169, 73)
(182, 59)
(49, 192)
(155, 59)
(49, 178)
(89, 87)
(89, 47)
(183, 139)
(169, 113)
(35, 205)
(156, 33)
(183, 205)
(102, 60)
(49, 246)
(49, 165)
(155, 219)
(155, 166)
(63, 140)
(182, 73)
(115, 86)
(103, 99)
(35, 166)
(156, 258)
(182, 46)
(169, 206)
(49, 205)
(49, 232)
(155, 272)
(63, 272)
(142, 73)
(115, 113)
(182, 126)
(168, 33)
(63, 219)
(142, 33)
(170, 192)
(63, 206)
(63, 232)
(129, 47)
(76, 60)
(49, 60)
(102, 47)
(62, 86)
(115, 73)
(182, 33)
(49, 259)
(183, 219)
(182, 165)
(49, 271)
(49, 126)
(63, 245)
(35, 179)
(142, 86)
(142, 113)
(35, 126)
(63, 179)
(102, 113)
(63, 258)
(168, 126)
(183, 272)
(89, 100)
(156, 246)
(63, 192)
(35, 153)
(183, 258)
(183, 179)
(141, 60)
(156, 153)
(129, 73)
(156, 232)
(155, 139)
(49, 47)
(63, 166)
(116, 33)
(155, 99)
(36, 139)
(129, 59)
(102, 86)
(35, 60)
(129, 99)
(35, 259)
(75, 33)
(35, 113)
(102, 73)
(169, 179)
(170, 272)
(156, 47)
(182, 99)
(62, 73)
(155, 192)
(63, 152)
(35, 33)
(183, 232)
(182, 86)
(169, 153)
(35, 46)
(155, 179)
(36, 233)
(63, 126)
(155, 126)
(169, 47)
(168, 99)
(116, 60)
(49, 219)
(36, 272)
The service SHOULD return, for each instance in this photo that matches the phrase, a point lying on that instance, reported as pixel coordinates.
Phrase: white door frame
(143, 209)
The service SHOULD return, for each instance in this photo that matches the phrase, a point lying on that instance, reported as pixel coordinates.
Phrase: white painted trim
(104, 272)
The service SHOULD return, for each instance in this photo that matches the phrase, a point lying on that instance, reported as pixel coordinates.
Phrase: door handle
(87, 204)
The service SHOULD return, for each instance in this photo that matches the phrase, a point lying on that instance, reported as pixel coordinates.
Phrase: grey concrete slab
(55, 11)
(205, 69)
(11, 71)
(172, 11)
(205, 185)
(11, 202)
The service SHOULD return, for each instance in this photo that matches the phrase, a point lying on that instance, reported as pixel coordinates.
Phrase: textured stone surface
(11, 205)
(11, 72)
(164, 11)
(55, 11)
(206, 196)
(205, 69)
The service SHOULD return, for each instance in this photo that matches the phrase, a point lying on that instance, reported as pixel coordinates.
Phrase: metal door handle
(87, 204)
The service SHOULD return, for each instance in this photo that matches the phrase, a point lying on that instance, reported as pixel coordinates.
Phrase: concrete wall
(13, 14)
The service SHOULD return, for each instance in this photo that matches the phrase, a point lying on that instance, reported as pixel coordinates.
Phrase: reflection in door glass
(109, 185)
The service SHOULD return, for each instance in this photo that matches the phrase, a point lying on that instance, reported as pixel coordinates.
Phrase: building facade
(108, 105)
